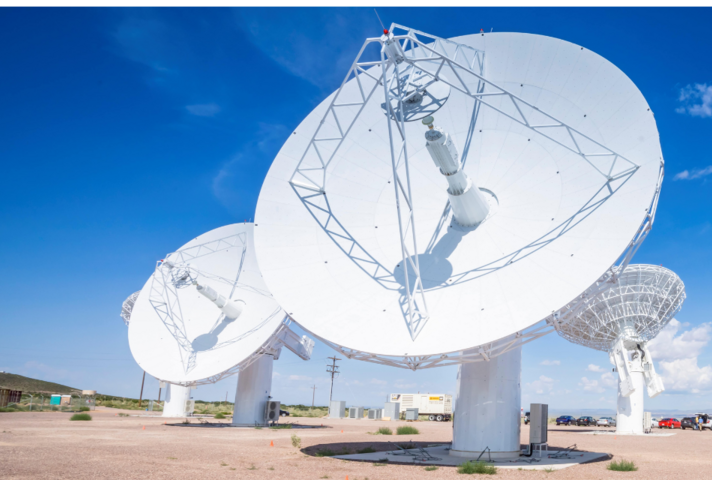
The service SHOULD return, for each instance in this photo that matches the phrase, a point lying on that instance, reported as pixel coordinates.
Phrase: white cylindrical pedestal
(254, 385)
(631, 409)
(176, 398)
(488, 408)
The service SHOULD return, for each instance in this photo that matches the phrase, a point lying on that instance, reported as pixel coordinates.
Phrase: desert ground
(48, 445)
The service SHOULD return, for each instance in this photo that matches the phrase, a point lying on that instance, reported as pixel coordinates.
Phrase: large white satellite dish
(328, 238)
(620, 320)
(399, 244)
(206, 314)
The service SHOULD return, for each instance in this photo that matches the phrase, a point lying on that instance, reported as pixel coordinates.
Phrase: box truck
(437, 407)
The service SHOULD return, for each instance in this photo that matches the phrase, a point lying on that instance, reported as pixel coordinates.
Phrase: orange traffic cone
(271, 443)
(342, 431)
(144, 427)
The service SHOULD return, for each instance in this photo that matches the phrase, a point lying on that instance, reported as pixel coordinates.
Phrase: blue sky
(127, 132)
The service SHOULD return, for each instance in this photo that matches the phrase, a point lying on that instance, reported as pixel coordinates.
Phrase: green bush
(219, 416)
(296, 442)
(430, 468)
(407, 430)
(366, 450)
(476, 467)
(80, 416)
(84, 409)
(622, 466)
(284, 426)
(384, 431)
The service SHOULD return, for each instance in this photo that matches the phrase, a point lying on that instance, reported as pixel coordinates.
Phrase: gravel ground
(48, 445)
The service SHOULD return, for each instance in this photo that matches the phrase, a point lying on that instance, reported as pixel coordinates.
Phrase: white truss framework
(483, 353)
(644, 296)
(611, 276)
(441, 60)
(127, 307)
(163, 294)
(270, 347)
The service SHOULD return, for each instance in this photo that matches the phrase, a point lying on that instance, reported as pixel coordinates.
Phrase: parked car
(283, 413)
(669, 423)
(566, 420)
(606, 422)
(654, 423)
(526, 418)
(704, 420)
(586, 421)
(688, 422)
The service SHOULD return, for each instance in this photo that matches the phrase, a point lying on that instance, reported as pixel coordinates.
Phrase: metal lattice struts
(128, 305)
(410, 62)
(645, 297)
(174, 273)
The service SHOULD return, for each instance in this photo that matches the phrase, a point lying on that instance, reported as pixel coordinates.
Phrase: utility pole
(333, 370)
(140, 397)
(313, 393)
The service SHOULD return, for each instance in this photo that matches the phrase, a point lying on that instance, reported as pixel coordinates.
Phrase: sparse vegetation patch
(469, 468)
(407, 430)
(80, 417)
(622, 466)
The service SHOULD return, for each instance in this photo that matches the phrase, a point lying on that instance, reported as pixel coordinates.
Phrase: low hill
(26, 384)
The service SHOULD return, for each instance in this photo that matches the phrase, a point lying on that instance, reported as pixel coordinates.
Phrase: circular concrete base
(487, 455)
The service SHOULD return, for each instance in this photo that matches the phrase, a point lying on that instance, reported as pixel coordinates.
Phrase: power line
(333, 369)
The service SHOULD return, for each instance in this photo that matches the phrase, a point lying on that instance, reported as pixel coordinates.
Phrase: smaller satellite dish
(621, 320)
(205, 310)
(128, 305)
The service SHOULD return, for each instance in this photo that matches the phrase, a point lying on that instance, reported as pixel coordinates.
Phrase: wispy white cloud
(401, 385)
(609, 380)
(204, 110)
(591, 385)
(694, 174)
(542, 386)
(248, 166)
(670, 346)
(320, 56)
(550, 363)
(677, 353)
(376, 381)
(696, 100)
(595, 368)
(300, 378)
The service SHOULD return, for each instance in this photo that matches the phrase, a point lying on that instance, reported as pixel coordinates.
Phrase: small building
(8, 396)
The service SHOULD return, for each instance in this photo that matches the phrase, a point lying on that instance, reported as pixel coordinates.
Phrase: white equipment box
(337, 409)
(356, 413)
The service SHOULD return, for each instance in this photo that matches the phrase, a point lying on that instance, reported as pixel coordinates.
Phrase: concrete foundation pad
(669, 434)
(441, 457)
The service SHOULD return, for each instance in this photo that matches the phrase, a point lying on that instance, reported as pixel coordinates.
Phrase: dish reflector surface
(646, 297)
(177, 334)
(334, 260)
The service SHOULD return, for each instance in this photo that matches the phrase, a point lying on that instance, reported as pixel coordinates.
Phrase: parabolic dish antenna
(541, 171)
(205, 312)
(620, 320)
(641, 303)
(127, 307)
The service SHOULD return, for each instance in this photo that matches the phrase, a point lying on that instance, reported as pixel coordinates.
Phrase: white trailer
(438, 407)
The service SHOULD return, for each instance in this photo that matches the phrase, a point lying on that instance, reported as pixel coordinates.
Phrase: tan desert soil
(48, 445)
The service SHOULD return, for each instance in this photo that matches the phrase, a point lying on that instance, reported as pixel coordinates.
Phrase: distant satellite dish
(418, 242)
(620, 320)
(128, 305)
(206, 314)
